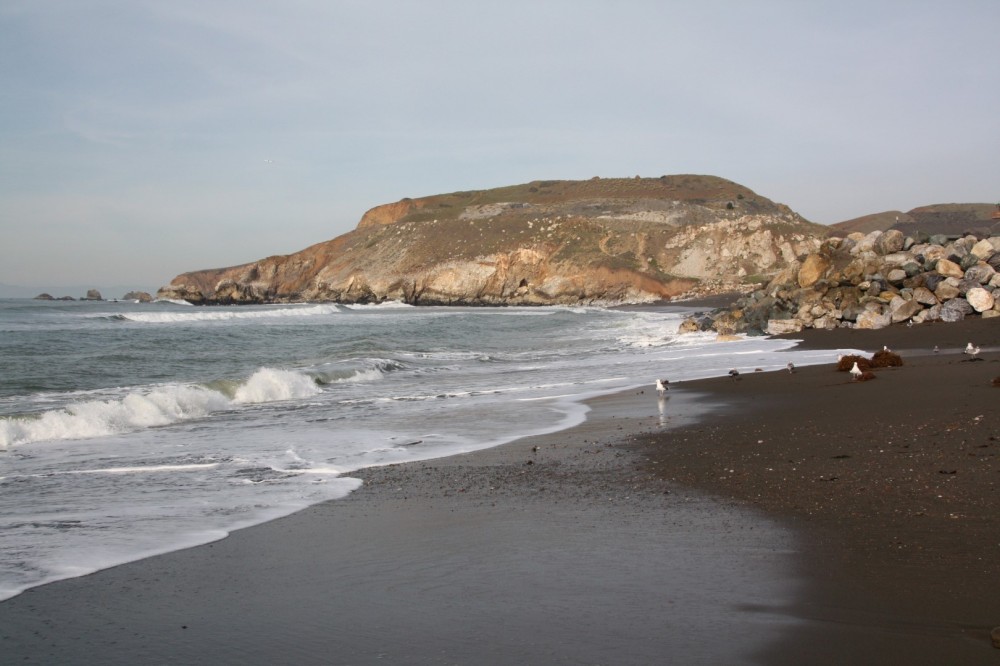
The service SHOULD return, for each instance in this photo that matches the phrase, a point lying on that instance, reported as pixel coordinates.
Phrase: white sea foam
(270, 385)
(157, 407)
(386, 305)
(175, 301)
(227, 314)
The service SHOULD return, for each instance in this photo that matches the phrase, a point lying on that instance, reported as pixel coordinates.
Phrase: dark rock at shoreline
(92, 295)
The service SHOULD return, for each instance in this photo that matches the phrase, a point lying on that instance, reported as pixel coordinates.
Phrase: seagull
(791, 367)
(973, 351)
(885, 348)
(734, 373)
(856, 372)
(936, 349)
(661, 386)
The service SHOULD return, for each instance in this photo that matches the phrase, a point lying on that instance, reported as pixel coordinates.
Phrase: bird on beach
(885, 348)
(735, 374)
(791, 367)
(936, 349)
(856, 372)
(972, 351)
(661, 386)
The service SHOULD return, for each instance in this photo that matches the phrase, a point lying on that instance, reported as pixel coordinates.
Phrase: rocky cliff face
(545, 242)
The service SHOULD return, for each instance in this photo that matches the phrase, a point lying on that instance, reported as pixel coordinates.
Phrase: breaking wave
(160, 406)
(226, 315)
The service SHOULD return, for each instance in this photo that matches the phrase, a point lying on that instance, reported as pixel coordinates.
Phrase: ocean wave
(206, 315)
(161, 406)
(373, 370)
(378, 306)
(175, 301)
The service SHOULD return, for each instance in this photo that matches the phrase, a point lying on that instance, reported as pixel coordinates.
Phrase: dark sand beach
(784, 518)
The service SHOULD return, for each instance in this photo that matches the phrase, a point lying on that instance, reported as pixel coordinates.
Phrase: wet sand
(807, 519)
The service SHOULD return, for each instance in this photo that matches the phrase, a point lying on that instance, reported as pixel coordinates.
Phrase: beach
(820, 520)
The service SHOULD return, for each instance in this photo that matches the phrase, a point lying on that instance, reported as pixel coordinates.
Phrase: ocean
(128, 429)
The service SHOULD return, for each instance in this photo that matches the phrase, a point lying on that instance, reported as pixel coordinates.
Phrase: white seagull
(972, 350)
(661, 386)
(856, 372)
(791, 367)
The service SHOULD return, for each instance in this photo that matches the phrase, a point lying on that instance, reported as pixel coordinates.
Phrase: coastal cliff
(602, 240)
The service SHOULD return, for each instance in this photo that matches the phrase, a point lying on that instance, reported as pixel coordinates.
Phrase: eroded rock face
(599, 241)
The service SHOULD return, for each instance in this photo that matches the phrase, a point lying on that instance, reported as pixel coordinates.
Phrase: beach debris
(995, 637)
(846, 363)
(996, 381)
(886, 359)
(735, 374)
(973, 352)
(661, 386)
(791, 367)
(856, 372)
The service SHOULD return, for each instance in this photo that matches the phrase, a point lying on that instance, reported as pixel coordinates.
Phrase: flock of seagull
(971, 350)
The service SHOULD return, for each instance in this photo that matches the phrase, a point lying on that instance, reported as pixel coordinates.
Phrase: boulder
(93, 295)
(947, 289)
(889, 241)
(949, 268)
(812, 270)
(689, 325)
(873, 319)
(783, 326)
(983, 249)
(45, 297)
(901, 309)
(955, 310)
(968, 261)
(981, 273)
(980, 299)
(896, 276)
(924, 296)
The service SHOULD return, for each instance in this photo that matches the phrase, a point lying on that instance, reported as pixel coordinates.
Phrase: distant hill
(948, 219)
(602, 240)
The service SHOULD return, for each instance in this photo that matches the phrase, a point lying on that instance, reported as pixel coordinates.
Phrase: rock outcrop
(141, 296)
(872, 281)
(92, 295)
(545, 242)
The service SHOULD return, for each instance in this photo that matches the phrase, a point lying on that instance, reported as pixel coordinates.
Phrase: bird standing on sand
(856, 372)
(972, 351)
(735, 374)
(791, 367)
(661, 386)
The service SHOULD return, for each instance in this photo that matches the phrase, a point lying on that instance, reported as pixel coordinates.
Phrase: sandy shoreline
(852, 523)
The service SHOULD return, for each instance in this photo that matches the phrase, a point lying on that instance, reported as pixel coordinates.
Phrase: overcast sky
(141, 139)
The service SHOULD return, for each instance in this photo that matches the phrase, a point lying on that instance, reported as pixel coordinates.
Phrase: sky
(142, 139)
